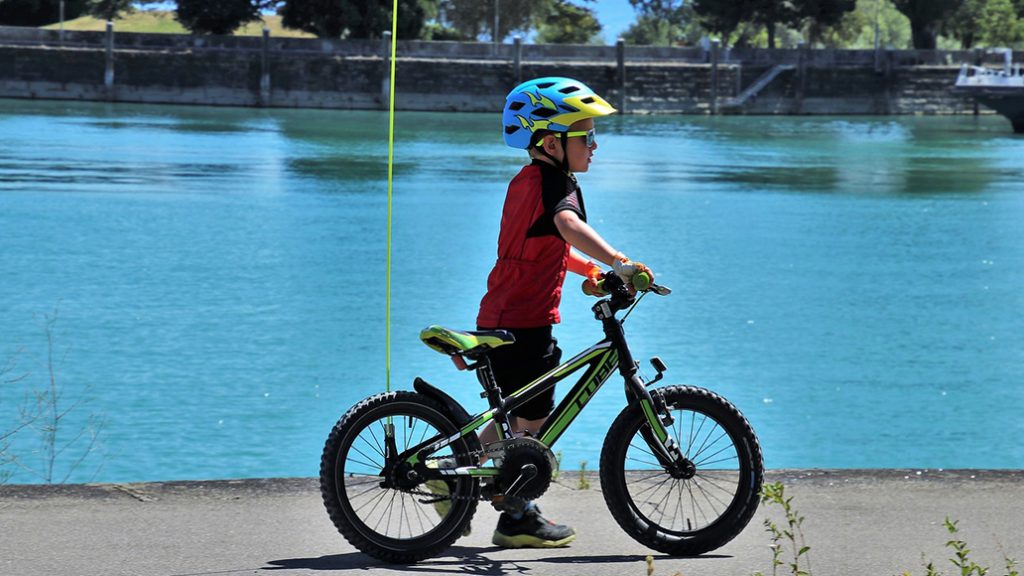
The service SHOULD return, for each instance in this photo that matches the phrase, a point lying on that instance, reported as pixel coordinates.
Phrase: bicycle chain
(438, 498)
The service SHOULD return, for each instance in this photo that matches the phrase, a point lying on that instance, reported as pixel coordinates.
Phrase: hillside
(163, 22)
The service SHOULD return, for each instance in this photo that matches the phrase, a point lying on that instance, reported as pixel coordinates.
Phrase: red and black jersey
(525, 286)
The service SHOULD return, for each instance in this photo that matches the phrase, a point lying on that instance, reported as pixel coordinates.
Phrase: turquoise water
(217, 275)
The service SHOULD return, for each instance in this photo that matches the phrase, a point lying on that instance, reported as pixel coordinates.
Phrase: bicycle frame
(599, 361)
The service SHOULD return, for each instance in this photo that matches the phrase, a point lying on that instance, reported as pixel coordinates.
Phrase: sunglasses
(588, 134)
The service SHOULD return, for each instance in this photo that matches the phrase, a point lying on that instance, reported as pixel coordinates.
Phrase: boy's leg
(534, 353)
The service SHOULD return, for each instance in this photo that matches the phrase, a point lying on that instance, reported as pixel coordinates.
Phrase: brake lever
(660, 290)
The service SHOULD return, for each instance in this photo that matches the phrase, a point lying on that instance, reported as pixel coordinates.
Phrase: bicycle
(402, 472)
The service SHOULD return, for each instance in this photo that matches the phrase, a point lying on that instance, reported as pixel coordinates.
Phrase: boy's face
(579, 152)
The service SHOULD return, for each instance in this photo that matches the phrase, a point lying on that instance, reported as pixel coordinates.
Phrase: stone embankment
(451, 76)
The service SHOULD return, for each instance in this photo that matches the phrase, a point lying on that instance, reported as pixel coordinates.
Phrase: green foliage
(650, 29)
(566, 23)
(788, 535)
(816, 16)
(558, 465)
(584, 484)
(984, 22)
(474, 18)
(38, 12)
(857, 29)
(353, 18)
(926, 18)
(221, 17)
(961, 557)
(110, 9)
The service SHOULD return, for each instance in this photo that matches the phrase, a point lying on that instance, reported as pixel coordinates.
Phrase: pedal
(526, 473)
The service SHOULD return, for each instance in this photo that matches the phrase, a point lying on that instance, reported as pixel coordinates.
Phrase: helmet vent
(544, 112)
(545, 85)
(516, 105)
(511, 129)
(588, 100)
(569, 89)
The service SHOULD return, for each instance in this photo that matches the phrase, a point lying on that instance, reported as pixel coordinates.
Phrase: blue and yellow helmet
(548, 104)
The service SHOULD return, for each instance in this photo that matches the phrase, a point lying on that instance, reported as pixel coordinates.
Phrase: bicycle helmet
(551, 103)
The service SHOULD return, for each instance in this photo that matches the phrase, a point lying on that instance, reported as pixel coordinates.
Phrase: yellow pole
(391, 166)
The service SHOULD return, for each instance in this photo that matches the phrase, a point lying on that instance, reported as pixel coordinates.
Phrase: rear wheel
(394, 523)
(692, 513)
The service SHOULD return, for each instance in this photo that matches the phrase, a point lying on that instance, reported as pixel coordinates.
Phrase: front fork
(655, 433)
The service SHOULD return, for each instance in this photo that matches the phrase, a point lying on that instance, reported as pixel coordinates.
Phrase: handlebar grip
(589, 290)
(641, 281)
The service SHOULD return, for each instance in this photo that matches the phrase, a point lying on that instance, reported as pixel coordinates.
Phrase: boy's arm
(581, 236)
(578, 264)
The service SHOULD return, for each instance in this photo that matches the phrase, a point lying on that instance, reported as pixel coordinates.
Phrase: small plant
(791, 532)
(45, 411)
(961, 557)
(558, 465)
(650, 567)
(584, 484)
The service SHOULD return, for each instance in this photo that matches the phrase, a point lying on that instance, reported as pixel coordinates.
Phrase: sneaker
(531, 531)
(441, 489)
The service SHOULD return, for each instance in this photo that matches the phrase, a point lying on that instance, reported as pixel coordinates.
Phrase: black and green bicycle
(402, 472)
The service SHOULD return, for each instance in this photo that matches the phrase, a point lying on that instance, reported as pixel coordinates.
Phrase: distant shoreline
(154, 490)
(289, 72)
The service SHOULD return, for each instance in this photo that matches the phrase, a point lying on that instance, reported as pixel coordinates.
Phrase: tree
(720, 17)
(567, 23)
(109, 9)
(856, 29)
(987, 22)
(724, 16)
(648, 29)
(38, 12)
(819, 15)
(771, 13)
(352, 18)
(658, 21)
(473, 18)
(926, 18)
(217, 17)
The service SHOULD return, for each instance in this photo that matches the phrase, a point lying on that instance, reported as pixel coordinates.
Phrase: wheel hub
(684, 470)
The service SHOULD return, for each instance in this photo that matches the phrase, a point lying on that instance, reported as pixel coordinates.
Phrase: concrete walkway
(879, 522)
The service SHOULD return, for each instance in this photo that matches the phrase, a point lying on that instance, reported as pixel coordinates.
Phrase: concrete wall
(239, 71)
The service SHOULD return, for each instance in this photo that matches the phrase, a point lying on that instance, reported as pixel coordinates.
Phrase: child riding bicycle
(543, 219)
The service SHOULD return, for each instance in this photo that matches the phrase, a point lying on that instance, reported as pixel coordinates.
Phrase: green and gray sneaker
(531, 531)
(441, 489)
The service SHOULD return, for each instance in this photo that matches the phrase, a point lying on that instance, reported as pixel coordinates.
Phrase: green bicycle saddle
(448, 341)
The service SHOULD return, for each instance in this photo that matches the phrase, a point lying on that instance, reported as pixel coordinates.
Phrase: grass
(163, 22)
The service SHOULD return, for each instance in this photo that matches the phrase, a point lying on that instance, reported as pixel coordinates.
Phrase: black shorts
(534, 352)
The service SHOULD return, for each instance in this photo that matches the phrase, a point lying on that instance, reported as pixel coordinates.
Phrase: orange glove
(593, 285)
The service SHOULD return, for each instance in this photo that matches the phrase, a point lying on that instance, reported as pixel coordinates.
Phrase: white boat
(999, 89)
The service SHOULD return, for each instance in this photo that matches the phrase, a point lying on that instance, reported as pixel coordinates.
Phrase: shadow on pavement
(457, 559)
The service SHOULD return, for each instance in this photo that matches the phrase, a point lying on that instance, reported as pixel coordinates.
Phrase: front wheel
(367, 499)
(687, 514)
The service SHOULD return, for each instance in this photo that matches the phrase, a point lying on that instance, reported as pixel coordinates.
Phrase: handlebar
(611, 282)
(620, 295)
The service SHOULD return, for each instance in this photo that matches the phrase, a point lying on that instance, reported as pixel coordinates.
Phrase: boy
(553, 119)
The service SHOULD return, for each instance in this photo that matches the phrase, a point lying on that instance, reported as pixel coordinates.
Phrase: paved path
(876, 523)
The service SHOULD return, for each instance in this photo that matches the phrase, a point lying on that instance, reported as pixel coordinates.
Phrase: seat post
(493, 394)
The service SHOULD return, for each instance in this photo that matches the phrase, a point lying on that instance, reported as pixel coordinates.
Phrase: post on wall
(265, 70)
(385, 83)
(801, 72)
(716, 46)
(620, 60)
(108, 74)
(517, 42)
